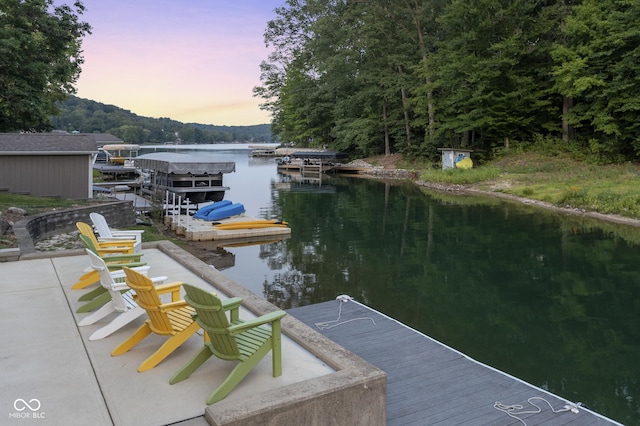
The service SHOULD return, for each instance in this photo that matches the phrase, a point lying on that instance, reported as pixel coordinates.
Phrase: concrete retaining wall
(355, 394)
(119, 214)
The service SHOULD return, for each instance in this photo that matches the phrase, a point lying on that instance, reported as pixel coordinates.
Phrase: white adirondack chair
(107, 234)
(121, 298)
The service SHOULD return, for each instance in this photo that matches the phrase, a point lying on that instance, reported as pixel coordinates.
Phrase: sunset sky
(188, 60)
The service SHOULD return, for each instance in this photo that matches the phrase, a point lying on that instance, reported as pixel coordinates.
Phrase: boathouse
(192, 177)
(47, 164)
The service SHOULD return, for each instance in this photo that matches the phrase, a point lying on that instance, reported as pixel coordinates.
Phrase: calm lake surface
(551, 299)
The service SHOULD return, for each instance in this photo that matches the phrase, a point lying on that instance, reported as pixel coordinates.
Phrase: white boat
(122, 154)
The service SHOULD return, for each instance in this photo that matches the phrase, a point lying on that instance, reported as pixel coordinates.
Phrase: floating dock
(429, 383)
(204, 230)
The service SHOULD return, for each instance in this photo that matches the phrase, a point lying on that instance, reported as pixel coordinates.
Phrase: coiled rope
(326, 325)
(513, 410)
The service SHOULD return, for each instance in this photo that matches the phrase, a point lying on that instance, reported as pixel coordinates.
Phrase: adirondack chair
(122, 298)
(170, 319)
(231, 339)
(114, 261)
(105, 247)
(107, 234)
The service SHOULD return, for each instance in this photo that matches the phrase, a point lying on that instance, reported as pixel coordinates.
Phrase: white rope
(513, 411)
(326, 325)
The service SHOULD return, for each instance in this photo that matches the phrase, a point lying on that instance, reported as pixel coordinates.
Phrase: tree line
(87, 116)
(381, 76)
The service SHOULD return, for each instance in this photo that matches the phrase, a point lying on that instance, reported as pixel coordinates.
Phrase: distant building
(451, 156)
(47, 164)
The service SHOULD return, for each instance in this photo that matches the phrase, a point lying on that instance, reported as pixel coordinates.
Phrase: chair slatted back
(149, 300)
(101, 225)
(212, 317)
(107, 281)
(87, 231)
(89, 244)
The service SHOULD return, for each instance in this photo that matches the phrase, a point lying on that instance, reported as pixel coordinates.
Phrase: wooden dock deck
(429, 383)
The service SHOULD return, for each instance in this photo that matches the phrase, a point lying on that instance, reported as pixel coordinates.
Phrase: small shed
(47, 164)
(450, 156)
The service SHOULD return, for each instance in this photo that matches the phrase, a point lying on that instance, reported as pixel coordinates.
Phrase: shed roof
(455, 149)
(46, 143)
(169, 162)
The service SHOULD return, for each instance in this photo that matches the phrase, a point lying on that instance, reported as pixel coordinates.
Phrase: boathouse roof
(169, 162)
(46, 143)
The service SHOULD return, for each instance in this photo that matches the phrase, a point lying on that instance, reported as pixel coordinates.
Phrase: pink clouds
(194, 61)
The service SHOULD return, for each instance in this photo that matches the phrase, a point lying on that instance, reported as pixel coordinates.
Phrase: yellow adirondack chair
(170, 319)
(106, 247)
(231, 339)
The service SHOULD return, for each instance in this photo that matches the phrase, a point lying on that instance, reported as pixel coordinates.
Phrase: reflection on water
(548, 298)
(551, 299)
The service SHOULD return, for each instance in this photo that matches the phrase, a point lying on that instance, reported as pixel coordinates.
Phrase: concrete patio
(53, 374)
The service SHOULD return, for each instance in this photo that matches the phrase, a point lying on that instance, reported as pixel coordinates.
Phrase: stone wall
(119, 214)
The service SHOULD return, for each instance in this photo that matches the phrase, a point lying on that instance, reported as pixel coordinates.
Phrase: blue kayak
(204, 212)
(226, 211)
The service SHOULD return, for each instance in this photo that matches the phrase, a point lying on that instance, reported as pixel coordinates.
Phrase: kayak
(250, 224)
(226, 211)
(204, 212)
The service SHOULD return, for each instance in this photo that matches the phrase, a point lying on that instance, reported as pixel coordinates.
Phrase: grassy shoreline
(558, 181)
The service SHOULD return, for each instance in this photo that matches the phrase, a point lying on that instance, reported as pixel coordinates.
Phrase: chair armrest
(161, 279)
(232, 305)
(127, 232)
(106, 251)
(264, 319)
(123, 239)
(173, 305)
(132, 257)
(172, 287)
(114, 242)
(118, 266)
(120, 273)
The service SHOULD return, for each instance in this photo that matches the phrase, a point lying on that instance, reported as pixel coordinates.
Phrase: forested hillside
(88, 116)
(382, 76)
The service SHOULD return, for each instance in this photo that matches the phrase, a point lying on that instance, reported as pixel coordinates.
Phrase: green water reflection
(551, 299)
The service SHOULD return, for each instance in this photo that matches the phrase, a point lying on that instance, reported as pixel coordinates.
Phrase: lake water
(548, 298)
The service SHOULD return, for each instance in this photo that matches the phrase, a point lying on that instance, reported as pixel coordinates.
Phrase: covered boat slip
(430, 383)
(187, 176)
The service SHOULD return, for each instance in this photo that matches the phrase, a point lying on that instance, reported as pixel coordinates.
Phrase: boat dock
(203, 230)
(431, 383)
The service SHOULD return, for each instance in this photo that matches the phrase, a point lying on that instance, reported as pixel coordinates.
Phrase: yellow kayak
(250, 224)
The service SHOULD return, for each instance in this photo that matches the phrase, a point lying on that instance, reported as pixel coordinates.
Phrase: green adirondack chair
(231, 339)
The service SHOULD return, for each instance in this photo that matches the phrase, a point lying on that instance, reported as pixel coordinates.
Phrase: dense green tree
(88, 116)
(489, 75)
(597, 67)
(40, 60)
(373, 76)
